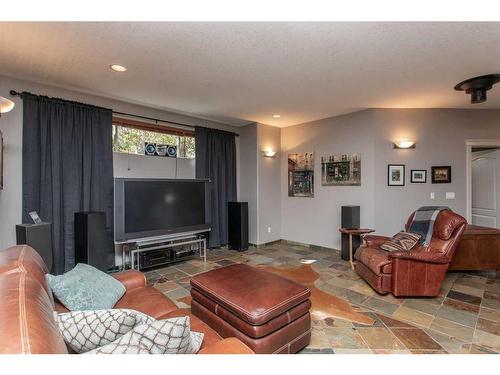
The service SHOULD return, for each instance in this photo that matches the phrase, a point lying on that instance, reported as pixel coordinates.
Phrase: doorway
(483, 183)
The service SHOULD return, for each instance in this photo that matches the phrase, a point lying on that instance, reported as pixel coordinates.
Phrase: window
(129, 136)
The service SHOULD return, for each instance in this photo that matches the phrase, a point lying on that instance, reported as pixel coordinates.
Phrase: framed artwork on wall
(418, 176)
(341, 170)
(301, 175)
(396, 175)
(441, 175)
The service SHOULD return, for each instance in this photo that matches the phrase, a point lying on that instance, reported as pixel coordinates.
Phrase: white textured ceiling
(242, 72)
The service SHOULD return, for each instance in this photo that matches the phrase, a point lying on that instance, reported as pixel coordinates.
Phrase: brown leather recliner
(415, 273)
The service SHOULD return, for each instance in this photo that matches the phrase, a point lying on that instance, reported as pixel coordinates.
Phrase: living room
(251, 188)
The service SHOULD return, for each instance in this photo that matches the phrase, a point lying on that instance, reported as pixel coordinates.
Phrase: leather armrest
(230, 345)
(372, 240)
(131, 279)
(421, 254)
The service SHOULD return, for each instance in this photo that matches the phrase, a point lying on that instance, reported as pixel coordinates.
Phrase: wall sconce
(269, 153)
(6, 105)
(404, 144)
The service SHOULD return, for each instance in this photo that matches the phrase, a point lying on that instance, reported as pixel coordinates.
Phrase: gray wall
(260, 181)
(11, 126)
(269, 185)
(440, 134)
(316, 220)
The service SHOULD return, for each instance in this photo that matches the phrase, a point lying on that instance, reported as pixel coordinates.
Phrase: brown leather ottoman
(269, 313)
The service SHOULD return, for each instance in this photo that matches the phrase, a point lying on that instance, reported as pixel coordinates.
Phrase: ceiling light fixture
(118, 68)
(6, 105)
(404, 144)
(276, 116)
(478, 86)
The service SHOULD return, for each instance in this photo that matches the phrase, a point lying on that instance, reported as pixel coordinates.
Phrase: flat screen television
(158, 207)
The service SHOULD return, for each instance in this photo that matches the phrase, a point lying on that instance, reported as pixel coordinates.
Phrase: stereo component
(39, 237)
(154, 149)
(91, 241)
(238, 226)
(350, 219)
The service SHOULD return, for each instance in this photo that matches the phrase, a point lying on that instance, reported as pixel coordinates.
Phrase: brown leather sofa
(415, 273)
(27, 323)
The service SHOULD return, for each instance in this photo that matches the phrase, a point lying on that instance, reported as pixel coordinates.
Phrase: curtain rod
(16, 93)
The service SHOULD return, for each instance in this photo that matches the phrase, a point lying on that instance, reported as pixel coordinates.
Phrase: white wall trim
(469, 143)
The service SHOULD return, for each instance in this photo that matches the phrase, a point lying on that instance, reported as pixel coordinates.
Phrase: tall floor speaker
(238, 225)
(91, 242)
(39, 237)
(350, 219)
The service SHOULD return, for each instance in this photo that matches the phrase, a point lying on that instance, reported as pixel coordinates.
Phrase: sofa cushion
(147, 300)
(402, 241)
(211, 337)
(170, 336)
(375, 259)
(87, 330)
(86, 288)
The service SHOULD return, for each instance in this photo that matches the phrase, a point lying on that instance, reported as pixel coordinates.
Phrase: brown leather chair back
(27, 308)
(447, 231)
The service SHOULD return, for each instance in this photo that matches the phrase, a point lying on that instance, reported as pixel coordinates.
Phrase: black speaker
(39, 237)
(238, 225)
(350, 219)
(91, 241)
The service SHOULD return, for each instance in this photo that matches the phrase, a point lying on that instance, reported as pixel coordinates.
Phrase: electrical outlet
(450, 195)
(433, 195)
(268, 229)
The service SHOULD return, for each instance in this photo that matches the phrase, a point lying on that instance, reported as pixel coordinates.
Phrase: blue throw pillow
(86, 288)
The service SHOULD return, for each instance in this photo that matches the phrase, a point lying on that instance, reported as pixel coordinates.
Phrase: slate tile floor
(465, 318)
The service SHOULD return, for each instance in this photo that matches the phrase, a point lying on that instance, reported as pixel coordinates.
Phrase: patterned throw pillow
(86, 330)
(86, 288)
(402, 241)
(170, 336)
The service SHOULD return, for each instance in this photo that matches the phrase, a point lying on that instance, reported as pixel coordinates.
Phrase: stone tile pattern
(464, 318)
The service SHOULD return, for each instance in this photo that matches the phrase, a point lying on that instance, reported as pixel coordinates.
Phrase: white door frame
(469, 143)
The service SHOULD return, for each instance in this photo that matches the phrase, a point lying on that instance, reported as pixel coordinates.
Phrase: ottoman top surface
(254, 295)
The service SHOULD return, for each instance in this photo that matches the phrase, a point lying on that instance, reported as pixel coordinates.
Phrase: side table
(356, 232)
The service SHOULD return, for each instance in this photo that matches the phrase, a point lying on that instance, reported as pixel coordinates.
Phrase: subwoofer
(91, 242)
(238, 225)
(39, 237)
(350, 219)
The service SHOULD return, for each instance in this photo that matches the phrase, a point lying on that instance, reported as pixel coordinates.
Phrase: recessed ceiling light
(118, 68)
(276, 116)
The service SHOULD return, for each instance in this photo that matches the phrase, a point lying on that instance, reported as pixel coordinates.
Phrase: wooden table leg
(350, 251)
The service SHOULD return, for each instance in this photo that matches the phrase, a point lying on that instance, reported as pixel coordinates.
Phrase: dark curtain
(67, 167)
(216, 160)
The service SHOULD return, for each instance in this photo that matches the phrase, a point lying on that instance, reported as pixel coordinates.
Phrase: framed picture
(418, 176)
(441, 175)
(396, 175)
(301, 175)
(341, 170)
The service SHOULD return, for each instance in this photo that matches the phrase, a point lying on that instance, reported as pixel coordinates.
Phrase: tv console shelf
(176, 248)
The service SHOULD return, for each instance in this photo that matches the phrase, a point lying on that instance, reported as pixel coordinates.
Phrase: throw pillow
(402, 241)
(170, 336)
(86, 288)
(87, 330)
